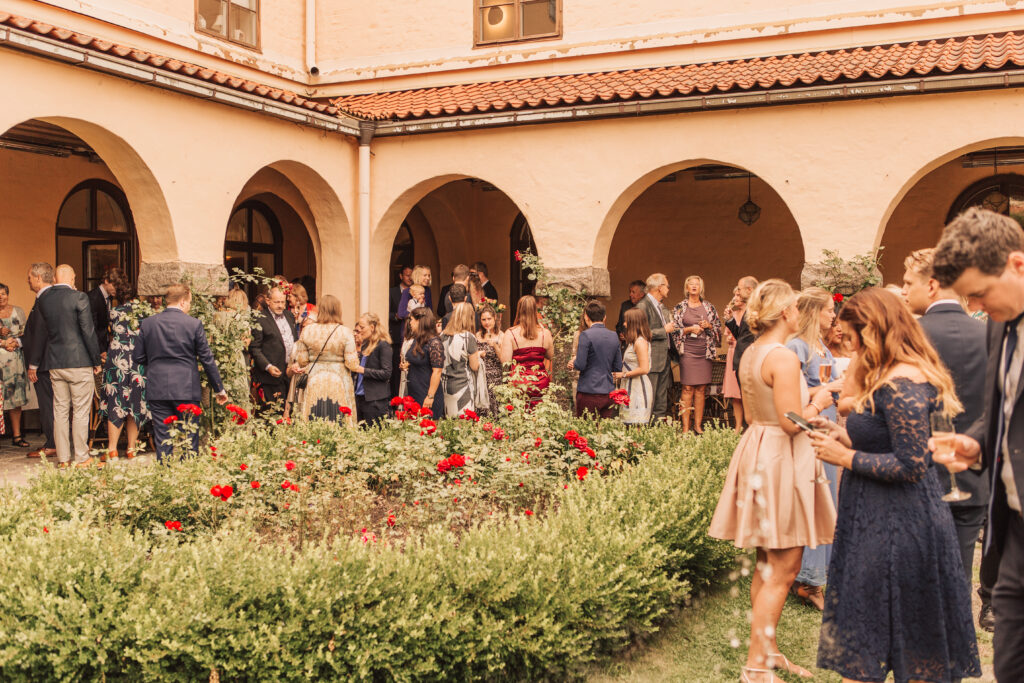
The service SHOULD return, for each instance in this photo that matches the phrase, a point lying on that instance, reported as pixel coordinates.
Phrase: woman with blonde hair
(897, 600)
(697, 337)
(464, 386)
(529, 347)
(326, 353)
(420, 276)
(373, 376)
(772, 499)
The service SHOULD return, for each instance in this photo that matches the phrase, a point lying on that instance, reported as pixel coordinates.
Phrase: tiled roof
(906, 60)
(166, 63)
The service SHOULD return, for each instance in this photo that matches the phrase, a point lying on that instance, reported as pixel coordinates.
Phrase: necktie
(1009, 346)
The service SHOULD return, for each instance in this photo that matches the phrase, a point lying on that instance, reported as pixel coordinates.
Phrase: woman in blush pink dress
(730, 385)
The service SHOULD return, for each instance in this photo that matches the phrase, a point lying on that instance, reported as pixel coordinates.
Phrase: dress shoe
(987, 620)
(809, 595)
(42, 453)
(88, 462)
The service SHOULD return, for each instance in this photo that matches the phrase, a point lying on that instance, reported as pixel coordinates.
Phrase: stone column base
(154, 278)
(847, 283)
(594, 281)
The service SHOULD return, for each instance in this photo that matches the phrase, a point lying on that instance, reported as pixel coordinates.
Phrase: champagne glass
(825, 371)
(945, 444)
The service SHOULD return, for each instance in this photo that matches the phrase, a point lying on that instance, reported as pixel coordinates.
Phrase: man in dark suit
(33, 342)
(460, 276)
(72, 357)
(744, 337)
(961, 343)
(636, 293)
(480, 270)
(597, 357)
(394, 323)
(981, 256)
(273, 338)
(168, 345)
(99, 303)
(660, 321)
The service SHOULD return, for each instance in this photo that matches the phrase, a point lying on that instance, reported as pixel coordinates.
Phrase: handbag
(301, 381)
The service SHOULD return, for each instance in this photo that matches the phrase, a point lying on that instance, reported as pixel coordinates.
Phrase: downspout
(311, 66)
(366, 130)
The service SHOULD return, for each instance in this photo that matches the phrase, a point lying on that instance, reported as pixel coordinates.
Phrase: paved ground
(16, 469)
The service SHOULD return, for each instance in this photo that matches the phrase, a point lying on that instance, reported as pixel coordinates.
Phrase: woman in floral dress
(327, 352)
(123, 395)
(14, 393)
(489, 336)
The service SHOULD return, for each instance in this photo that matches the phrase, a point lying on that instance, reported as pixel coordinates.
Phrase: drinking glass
(825, 371)
(945, 444)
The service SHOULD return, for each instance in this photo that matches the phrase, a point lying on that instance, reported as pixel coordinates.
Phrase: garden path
(16, 469)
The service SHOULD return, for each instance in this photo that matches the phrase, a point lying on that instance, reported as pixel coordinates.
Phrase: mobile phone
(800, 422)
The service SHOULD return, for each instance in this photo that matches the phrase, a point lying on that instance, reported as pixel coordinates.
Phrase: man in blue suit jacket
(597, 357)
(168, 345)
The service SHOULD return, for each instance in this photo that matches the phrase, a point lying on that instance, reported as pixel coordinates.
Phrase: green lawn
(706, 642)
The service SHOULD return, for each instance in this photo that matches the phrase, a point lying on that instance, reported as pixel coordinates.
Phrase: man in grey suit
(961, 343)
(662, 326)
(72, 357)
(981, 256)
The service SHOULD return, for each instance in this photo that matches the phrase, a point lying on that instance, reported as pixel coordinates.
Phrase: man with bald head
(64, 275)
(273, 338)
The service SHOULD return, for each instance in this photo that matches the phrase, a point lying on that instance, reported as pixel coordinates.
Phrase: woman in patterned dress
(327, 352)
(489, 337)
(12, 366)
(123, 394)
(461, 361)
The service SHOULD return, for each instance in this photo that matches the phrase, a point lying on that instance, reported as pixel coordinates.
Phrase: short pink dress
(730, 387)
(771, 498)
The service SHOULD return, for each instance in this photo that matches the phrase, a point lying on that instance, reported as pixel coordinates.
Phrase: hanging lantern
(749, 212)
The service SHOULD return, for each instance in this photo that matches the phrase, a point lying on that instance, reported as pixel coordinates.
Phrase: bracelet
(815, 406)
(428, 396)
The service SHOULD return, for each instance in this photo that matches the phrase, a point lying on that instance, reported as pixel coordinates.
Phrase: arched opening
(990, 177)
(521, 239)
(457, 221)
(714, 220)
(75, 193)
(253, 241)
(95, 232)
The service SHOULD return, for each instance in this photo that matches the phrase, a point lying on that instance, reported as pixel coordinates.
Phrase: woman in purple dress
(697, 336)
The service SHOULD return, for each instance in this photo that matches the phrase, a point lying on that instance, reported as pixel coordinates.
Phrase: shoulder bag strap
(322, 348)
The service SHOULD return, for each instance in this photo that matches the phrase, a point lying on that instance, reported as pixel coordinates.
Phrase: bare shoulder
(782, 358)
(906, 371)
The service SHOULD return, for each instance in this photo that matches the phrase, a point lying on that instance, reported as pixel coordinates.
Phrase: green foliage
(278, 584)
(849, 276)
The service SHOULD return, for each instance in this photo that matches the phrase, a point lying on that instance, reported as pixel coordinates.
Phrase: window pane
(243, 26)
(497, 23)
(247, 4)
(236, 227)
(235, 259)
(261, 232)
(539, 18)
(108, 214)
(264, 261)
(212, 16)
(75, 212)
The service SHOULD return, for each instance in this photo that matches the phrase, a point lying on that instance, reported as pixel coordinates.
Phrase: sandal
(745, 677)
(19, 441)
(786, 665)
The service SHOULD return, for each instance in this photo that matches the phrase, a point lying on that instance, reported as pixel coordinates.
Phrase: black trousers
(369, 412)
(969, 520)
(1008, 605)
(44, 391)
(160, 411)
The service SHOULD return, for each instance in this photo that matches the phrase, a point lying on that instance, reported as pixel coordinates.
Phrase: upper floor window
(235, 20)
(503, 21)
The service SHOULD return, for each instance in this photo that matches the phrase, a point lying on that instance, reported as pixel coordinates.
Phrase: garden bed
(550, 543)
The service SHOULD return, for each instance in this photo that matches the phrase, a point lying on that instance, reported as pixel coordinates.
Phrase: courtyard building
(344, 140)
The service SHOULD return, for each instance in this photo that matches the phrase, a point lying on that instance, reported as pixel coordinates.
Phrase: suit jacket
(984, 432)
(962, 345)
(744, 338)
(597, 357)
(267, 348)
(33, 342)
(377, 373)
(168, 345)
(620, 326)
(100, 317)
(441, 310)
(489, 291)
(70, 335)
(394, 297)
(659, 338)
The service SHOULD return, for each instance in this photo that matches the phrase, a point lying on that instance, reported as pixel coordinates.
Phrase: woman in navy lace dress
(897, 600)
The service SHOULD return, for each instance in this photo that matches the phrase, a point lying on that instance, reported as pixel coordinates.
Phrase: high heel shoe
(786, 665)
(759, 673)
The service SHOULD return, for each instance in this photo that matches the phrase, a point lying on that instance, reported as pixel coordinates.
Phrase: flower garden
(520, 546)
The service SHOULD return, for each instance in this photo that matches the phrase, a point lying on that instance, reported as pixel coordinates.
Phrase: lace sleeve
(906, 412)
(436, 351)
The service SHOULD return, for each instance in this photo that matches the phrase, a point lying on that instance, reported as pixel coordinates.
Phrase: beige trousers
(72, 396)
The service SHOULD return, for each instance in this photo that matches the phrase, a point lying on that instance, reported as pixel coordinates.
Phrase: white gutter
(311, 66)
(366, 129)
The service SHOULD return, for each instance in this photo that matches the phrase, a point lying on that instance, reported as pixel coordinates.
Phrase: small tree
(848, 276)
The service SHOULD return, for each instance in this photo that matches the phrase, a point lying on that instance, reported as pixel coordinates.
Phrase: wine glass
(825, 370)
(945, 444)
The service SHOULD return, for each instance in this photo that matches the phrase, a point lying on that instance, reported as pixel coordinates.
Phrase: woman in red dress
(528, 346)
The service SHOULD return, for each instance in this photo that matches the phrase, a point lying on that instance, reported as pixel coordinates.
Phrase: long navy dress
(897, 599)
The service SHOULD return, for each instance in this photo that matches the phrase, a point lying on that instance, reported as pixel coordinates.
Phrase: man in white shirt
(981, 256)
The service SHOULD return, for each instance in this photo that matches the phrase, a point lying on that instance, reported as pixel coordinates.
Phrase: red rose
(46, 530)
(457, 460)
(226, 492)
(426, 412)
(620, 396)
(345, 410)
(571, 436)
(280, 422)
(487, 426)
(498, 434)
(528, 513)
(391, 520)
(243, 467)
(289, 465)
(286, 485)
(519, 257)
(509, 408)
(294, 487)
(468, 414)
(215, 492)
(254, 484)
(397, 401)
(443, 466)
(580, 443)
(590, 452)
(400, 415)
(170, 419)
(427, 426)
(173, 526)
(537, 442)
(581, 473)
(837, 297)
